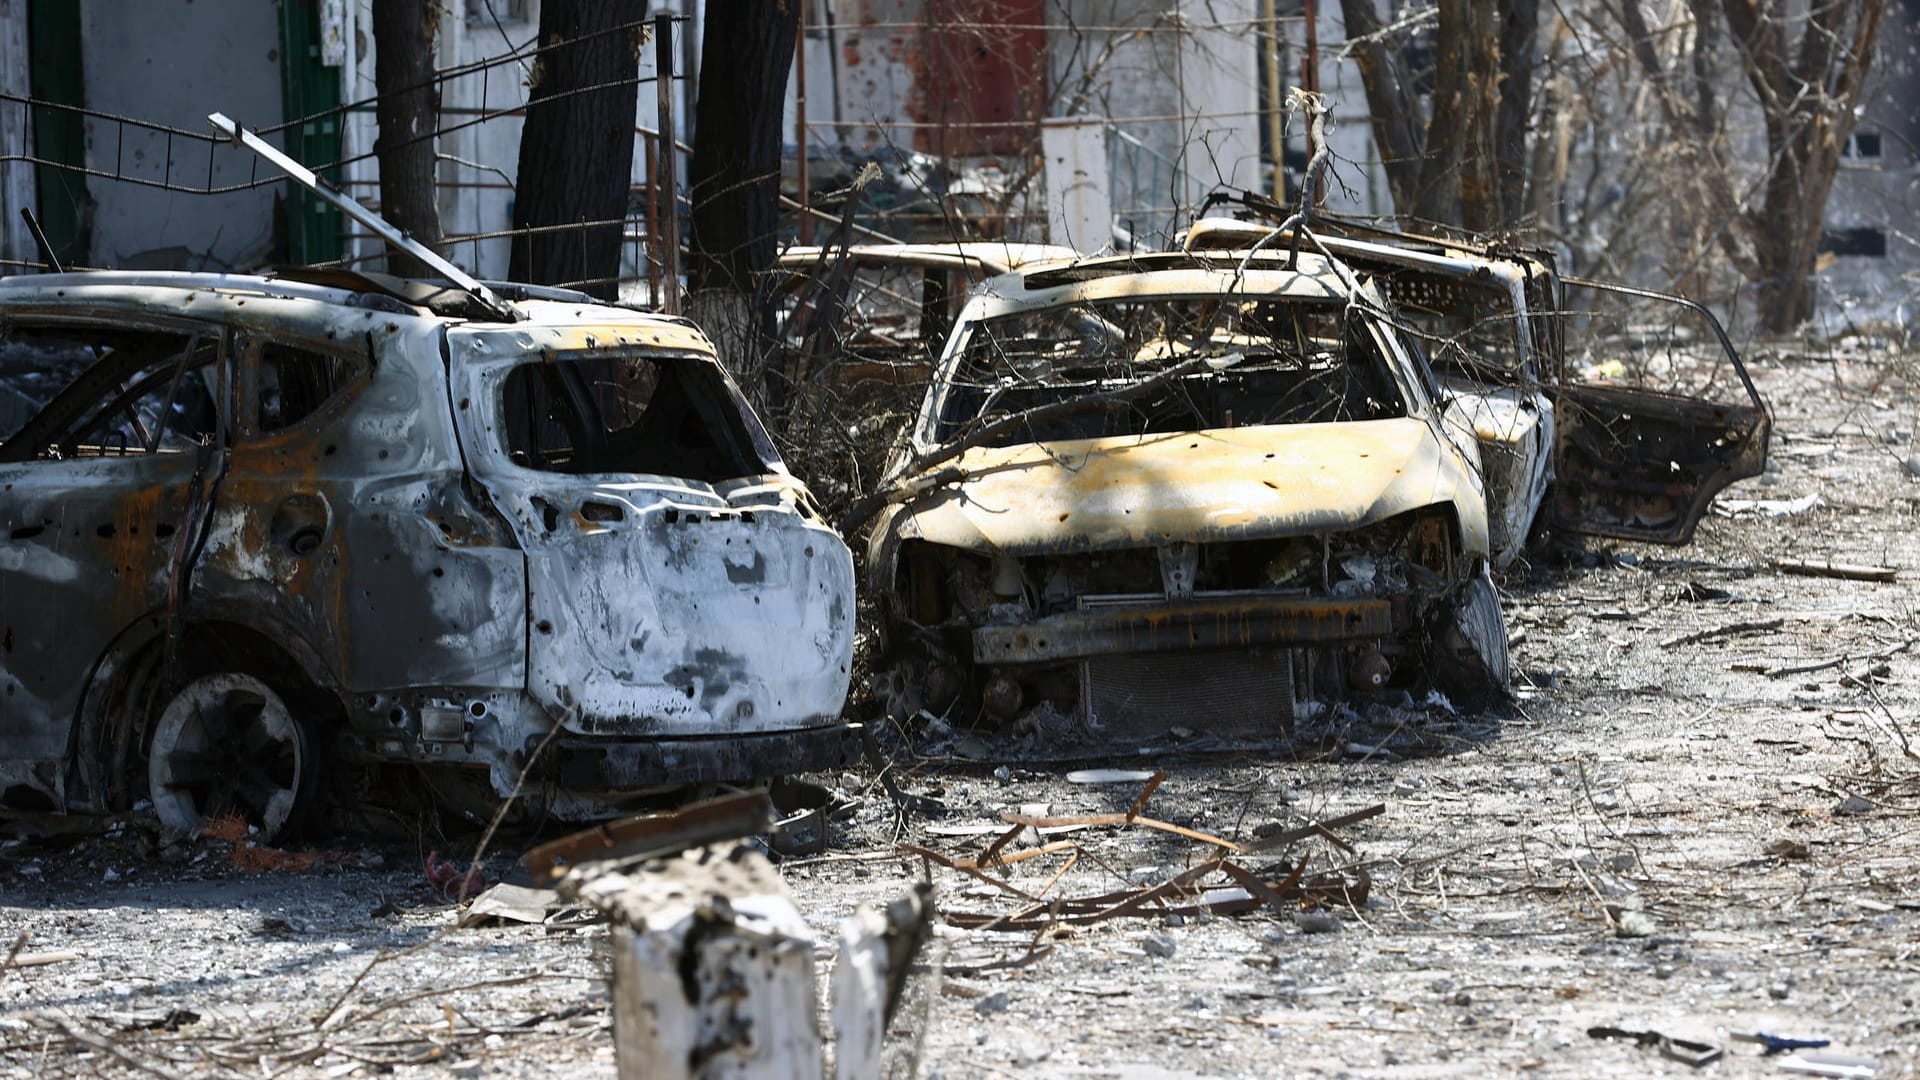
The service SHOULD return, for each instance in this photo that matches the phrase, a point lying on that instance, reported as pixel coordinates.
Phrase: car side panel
(86, 546)
(356, 531)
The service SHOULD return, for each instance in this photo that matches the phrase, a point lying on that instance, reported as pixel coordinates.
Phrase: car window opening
(626, 414)
(145, 392)
(295, 383)
(1291, 363)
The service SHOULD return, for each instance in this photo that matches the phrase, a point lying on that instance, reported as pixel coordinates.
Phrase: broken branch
(1120, 819)
(1759, 627)
(1841, 571)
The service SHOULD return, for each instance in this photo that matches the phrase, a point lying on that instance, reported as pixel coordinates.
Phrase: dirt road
(1699, 818)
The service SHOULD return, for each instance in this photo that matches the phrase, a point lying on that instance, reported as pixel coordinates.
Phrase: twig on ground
(1758, 627)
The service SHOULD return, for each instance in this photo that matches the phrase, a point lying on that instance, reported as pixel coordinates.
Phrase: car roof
(1168, 273)
(177, 292)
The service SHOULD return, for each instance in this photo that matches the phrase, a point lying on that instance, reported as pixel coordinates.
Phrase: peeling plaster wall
(16, 180)
(173, 62)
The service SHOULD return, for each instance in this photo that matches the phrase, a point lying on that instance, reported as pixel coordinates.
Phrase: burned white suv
(283, 522)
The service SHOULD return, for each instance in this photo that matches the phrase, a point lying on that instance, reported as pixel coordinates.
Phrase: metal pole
(1276, 135)
(1310, 82)
(376, 224)
(664, 168)
(651, 264)
(800, 119)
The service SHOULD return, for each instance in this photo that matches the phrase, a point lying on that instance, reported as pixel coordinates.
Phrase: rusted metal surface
(1192, 624)
(650, 836)
(381, 559)
(1621, 460)
(1485, 341)
(1222, 484)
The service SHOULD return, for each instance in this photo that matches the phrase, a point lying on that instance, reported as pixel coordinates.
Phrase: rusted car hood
(1224, 484)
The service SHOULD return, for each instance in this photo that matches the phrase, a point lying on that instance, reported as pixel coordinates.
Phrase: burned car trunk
(281, 525)
(1170, 492)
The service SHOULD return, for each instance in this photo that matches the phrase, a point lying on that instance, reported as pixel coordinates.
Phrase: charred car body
(325, 516)
(1213, 489)
(1599, 409)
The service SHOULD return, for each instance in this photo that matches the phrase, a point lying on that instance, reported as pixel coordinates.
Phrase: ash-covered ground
(1698, 817)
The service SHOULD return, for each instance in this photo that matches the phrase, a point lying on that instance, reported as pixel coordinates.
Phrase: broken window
(1864, 240)
(1282, 362)
(1466, 329)
(145, 392)
(293, 383)
(623, 413)
(1627, 338)
(1862, 144)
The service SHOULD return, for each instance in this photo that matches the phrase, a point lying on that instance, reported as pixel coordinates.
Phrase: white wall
(173, 62)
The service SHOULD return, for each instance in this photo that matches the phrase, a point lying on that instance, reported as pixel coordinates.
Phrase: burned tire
(227, 743)
(1471, 656)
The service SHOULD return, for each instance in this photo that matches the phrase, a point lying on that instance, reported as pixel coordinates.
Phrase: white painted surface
(1079, 210)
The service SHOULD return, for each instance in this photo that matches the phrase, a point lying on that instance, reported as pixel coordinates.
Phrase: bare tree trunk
(734, 180)
(1480, 208)
(1438, 195)
(407, 111)
(1809, 101)
(1519, 30)
(576, 150)
(1392, 107)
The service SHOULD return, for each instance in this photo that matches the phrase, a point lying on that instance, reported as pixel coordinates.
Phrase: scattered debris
(1759, 627)
(1841, 571)
(1634, 923)
(713, 964)
(1769, 508)
(1839, 1066)
(1852, 805)
(1685, 1051)
(1316, 922)
(1215, 886)
(1789, 849)
(446, 878)
(1108, 776)
(507, 903)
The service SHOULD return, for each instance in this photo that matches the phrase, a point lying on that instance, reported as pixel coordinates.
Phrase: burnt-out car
(281, 524)
(1599, 408)
(1161, 490)
(1212, 490)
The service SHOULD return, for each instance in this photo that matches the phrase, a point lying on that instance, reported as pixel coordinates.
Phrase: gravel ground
(1671, 829)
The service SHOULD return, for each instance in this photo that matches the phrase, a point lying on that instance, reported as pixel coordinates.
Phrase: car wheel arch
(128, 679)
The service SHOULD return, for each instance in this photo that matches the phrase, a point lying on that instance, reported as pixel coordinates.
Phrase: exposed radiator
(1238, 693)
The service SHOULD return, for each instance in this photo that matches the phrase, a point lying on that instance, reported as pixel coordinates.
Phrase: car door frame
(1637, 431)
(141, 560)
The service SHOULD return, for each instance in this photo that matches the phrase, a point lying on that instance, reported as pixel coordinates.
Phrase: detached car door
(1655, 414)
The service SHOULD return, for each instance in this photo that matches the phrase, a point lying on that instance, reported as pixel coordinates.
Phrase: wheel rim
(226, 744)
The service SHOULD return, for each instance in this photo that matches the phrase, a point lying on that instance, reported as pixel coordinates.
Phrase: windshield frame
(988, 305)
